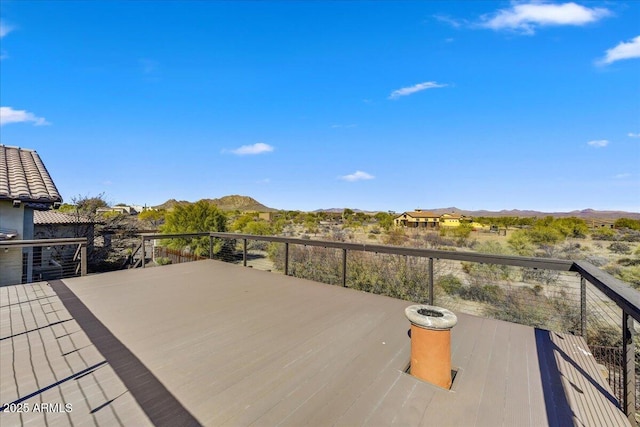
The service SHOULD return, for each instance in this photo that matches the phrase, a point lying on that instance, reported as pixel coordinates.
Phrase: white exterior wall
(11, 260)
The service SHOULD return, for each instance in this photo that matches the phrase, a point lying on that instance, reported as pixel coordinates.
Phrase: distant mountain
(226, 203)
(171, 203)
(584, 213)
(340, 210)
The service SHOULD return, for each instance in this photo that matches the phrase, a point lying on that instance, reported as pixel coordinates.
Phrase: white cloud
(598, 143)
(415, 88)
(257, 148)
(633, 135)
(5, 29)
(357, 176)
(455, 23)
(9, 115)
(623, 175)
(526, 17)
(624, 50)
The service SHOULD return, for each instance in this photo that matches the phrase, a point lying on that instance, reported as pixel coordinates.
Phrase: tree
(242, 220)
(544, 235)
(633, 224)
(571, 227)
(152, 216)
(198, 217)
(520, 243)
(260, 228)
(463, 231)
(385, 220)
(346, 214)
(89, 205)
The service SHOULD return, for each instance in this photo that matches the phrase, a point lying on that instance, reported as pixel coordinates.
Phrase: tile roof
(24, 177)
(53, 217)
(421, 214)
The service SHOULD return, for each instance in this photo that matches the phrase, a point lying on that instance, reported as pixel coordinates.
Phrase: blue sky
(308, 105)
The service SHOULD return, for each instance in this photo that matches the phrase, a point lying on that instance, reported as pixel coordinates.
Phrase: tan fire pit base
(431, 343)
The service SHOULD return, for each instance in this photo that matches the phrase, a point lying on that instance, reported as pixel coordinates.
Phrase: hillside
(226, 203)
(584, 214)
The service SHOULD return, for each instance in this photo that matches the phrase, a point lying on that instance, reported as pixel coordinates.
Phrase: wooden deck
(208, 343)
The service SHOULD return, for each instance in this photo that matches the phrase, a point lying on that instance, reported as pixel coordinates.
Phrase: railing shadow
(559, 411)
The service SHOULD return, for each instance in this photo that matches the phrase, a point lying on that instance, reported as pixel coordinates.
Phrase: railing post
(210, 247)
(244, 252)
(629, 373)
(583, 307)
(144, 255)
(431, 298)
(344, 267)
(83, 259)
(286, 259)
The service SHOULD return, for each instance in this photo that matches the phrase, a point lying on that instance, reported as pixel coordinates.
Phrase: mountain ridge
(226, 203)
(246, 203)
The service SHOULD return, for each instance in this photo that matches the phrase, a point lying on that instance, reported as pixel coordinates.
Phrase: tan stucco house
(25, 187)
(417, 218)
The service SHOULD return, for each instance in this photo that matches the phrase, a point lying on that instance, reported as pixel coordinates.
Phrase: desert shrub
(520, 243)
(258, 245)
(491, 294)
(612, 269)
(572, 227)
(395, 236)
(518, 306)
(630, 236)
(604, 234)
(620, 248)
(462, 231)
(596, 260)
(528, 306)
(435, 240)
(543, 276)
(604, 335)
(482, 274)
(630, 275)
(633, 224)
(629, 262)
(544, 235)
(570, 251)
(450, 284)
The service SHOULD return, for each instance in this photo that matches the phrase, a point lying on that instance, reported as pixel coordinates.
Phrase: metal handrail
(81, 251)
(41, 242)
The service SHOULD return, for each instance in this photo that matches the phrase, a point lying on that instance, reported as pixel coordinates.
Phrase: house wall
(11, 259)
(63, 253)
(448, 222)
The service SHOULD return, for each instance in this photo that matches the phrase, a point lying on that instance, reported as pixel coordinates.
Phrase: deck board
(236, 346)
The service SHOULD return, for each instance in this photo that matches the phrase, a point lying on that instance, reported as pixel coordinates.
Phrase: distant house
(417, 218)
(58, 225)
(25, 187)
(424, 219)
(124, 210)
(450, 220)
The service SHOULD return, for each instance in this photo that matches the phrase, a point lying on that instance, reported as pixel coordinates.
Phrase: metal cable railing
(42, 259)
